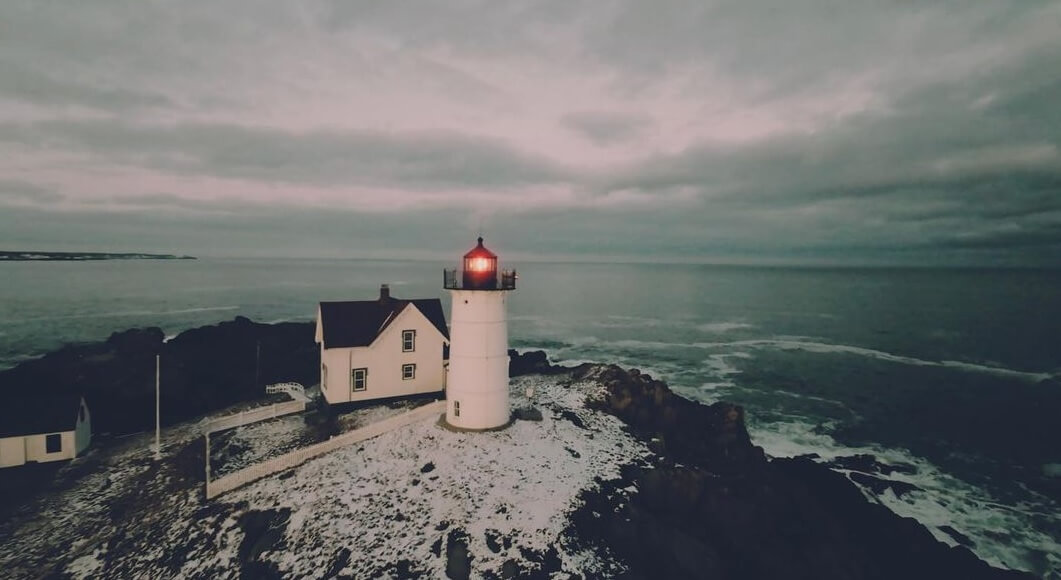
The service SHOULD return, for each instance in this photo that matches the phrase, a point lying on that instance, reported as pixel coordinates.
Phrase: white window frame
(408, 341)
(353, 380)
(324, 377)
(408, 372)
(456, 408)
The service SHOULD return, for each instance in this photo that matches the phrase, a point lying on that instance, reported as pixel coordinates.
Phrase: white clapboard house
(380, 349)
(41, 429)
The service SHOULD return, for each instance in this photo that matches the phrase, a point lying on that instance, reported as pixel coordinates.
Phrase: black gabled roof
(358, 323)
(38, 414)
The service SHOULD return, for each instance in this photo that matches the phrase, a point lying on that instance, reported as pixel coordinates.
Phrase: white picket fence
(300, 456)
(253, 416)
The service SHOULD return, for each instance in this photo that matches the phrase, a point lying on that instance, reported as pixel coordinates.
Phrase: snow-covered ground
(393, 503)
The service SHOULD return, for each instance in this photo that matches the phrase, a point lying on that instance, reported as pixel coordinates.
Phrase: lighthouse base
(442, 422)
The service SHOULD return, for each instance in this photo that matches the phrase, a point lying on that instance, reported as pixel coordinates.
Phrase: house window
(408, 372)
(359, 379)
(456, 408)
(324, 377)
(53, 443)
(408, 340)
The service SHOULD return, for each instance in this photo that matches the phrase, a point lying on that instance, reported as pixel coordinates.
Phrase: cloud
(719, 130)
(421, 161)
(43, 89)
(24, 192)
(605, 128)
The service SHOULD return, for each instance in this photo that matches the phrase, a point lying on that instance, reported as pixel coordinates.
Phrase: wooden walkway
(300, 456)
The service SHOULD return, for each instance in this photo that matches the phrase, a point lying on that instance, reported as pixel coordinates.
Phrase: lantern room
(480, 268)
(479, 272)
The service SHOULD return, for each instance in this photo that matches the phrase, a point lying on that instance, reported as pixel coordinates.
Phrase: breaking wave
(722, 327)
(807, 345)
(825, 348)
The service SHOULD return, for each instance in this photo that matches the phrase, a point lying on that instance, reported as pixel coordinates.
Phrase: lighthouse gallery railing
(453, 280)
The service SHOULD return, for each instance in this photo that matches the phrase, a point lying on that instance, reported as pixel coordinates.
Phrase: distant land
(26, 256)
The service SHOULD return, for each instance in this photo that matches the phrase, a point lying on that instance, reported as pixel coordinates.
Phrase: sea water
(950, 373)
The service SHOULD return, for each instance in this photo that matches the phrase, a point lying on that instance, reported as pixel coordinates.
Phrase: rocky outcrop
(530, 362)
(714, 506)
(203, 370)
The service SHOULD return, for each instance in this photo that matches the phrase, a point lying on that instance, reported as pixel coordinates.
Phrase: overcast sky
(728, 131)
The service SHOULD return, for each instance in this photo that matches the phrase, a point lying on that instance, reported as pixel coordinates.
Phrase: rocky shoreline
(715, 506)
(710, 503)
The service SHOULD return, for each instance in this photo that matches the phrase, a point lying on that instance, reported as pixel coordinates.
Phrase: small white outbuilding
(380, 349)
(42, 429)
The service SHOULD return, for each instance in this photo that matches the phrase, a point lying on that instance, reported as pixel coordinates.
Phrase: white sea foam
(942, 499)
(120, 313)
(721, 370)
(722, 327)
(289, 319)
(825, 348)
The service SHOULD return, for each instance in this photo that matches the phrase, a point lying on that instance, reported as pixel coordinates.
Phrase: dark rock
(340, 561)
(958, 536)
(530, 362)
(510, 569)
(573, 417)
(492, 540)
(402, 570)
(867, 463)
(545, 564)
(879, 485)
(685, 430)
(262, 531)
(458, 559)
(528, 414)
(714, 506)
(427, 468)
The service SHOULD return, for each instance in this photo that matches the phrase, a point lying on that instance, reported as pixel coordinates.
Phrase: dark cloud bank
(956, 158)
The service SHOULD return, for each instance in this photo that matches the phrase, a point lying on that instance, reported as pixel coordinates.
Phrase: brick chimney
(384, 292)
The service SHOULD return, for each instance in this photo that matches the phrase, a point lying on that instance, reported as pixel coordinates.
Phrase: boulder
(529, 362)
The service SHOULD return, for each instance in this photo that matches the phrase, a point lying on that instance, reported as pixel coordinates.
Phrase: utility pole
(158, 424)
(207, 455)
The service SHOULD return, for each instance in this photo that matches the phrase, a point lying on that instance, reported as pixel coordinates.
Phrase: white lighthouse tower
(477, 387)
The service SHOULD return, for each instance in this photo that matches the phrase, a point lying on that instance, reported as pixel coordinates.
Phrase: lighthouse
(477, 386)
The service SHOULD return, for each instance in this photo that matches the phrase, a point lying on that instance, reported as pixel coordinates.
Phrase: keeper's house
(42, 429)
(380, 349)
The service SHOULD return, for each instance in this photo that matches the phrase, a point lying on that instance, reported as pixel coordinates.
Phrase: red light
(479, 264)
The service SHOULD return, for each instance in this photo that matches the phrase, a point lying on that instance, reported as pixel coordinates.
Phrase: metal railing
(456, 279)
(294, 390)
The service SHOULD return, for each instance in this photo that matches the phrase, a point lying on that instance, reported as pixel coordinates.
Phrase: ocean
(951, 374)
